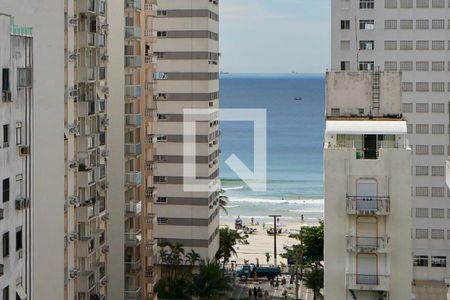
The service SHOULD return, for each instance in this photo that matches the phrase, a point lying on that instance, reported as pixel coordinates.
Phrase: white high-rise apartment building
(367, 178)
(16, 105)
(187, 50)
(411, 36)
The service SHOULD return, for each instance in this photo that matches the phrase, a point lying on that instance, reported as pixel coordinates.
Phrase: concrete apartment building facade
(367, 188)
(16, 63)
(411, 37)
(187, 50)
(140, 149)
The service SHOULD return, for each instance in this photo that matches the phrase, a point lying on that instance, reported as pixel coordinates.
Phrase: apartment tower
(187, 50)
(140, 143)
(410, 36)
(16, 63)
(367, 188)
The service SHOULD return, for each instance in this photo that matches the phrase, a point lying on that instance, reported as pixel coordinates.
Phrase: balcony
(150, 59)
(86, 7)
(85, 246)
(133, 293)
(133, 267)
(133, 61)
(150, 192)
(86, 74)
(364, 282)
(151, 248)
(86, 281)
(132, 32)
(133, 238)
(360, 244)
(133, 149)
(133, 120)
(85, 108)
(133, 5)
(368, 205)
(86, 39)
(151, 139)
(133, 208)
(133, 178)
(133, 91)
(86, 178)
(149, 273)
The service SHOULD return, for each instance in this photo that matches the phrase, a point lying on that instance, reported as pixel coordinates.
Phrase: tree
(192, 257)
(223, 201)
(312, 238)
(228, 239)
(169, 288)
(314, 281)
(210, 283)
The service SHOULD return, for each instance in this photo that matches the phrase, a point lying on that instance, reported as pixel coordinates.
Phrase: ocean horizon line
(271, 75)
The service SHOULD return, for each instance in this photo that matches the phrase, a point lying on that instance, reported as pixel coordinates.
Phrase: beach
(260, 243)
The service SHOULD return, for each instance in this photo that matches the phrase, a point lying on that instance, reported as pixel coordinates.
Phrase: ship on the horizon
(224, 73)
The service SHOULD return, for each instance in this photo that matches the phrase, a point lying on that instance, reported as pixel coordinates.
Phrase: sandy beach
(260, 243)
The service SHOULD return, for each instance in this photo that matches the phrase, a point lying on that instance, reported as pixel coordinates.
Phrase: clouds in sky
(275, 36)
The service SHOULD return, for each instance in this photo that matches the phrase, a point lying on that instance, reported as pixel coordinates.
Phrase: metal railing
(366, 244)
(368, 205)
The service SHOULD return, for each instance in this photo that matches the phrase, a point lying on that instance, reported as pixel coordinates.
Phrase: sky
(274, 36)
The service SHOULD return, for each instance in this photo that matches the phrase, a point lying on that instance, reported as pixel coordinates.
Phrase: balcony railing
(133, 91)
(133, 237)
(367, 282)
(367, 244)
(134, 208)
(133, 61)
(133, 293)
(133, 266)
(133, 4)
(134, 120)
(368, 205)
(87, 7)
(133, 178)
(133, 149)
(133, 32)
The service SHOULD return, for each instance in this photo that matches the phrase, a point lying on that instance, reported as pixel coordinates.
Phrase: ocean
(294, 146)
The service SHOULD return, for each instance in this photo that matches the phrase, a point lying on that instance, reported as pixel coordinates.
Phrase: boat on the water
(298, 98)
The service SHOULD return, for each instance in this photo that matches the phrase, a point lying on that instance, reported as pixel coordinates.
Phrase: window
(160, 200)
(345, 24)
(5, 244)
(161, 13)
(366, 66)
(161, 34)
(390, 45)
(406, 66)
(5, 79)
(5, 190)
(102, 7)
(406, 24)
(421, 107)
(437, 234)
(366, 4)
(438, 87)
(421, 149)
(420, 261)
(161, 179)
(422, 3)
(422, 128)
(422, 191)
(421, 212)
(437, 150)
(422, 24)
(438, 24)
(422, 87)
(421, 170)
(407, 86)
(390, 66)
(5, 136)
(345, 45)
(438, 45)
(162, 138)
(19, 239)
(390, 4)
(162, 221)
(437, 192)
(366, 24)
(421, 233)
(162, 117)
(437, 213)
(422, 45)
(437, 171)
(437, 4)
(422, 66)
(438, 107)
(437, 129)
(366, 45)
(438, 66)
(6, 293)
(406, 3)
(406, 45)
(24, 77)
(345, 65)
(439, 261)
(335, 112)
(390, 24)
(18, 133)
(160, 75)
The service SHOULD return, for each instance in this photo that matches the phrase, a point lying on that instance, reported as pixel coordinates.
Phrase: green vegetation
(229, 238)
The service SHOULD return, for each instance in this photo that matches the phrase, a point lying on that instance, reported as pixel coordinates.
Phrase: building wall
(47, 224)
(16, 52)
(186, 45)
(425, 108)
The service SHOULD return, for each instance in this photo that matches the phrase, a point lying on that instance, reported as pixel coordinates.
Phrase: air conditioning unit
(73, 21)
(6, 96)
(104, 281)
(87, 202)
(105, 217)
(24, 150)
(73, 236)
(74, 273)
(105, 249)
(74, 200)
(105, 122)
(104, 185)
(72, 56)
(105, 153)
(74, 129)
(73, 92)
(73, 164)
(105, 90)
(104, 27)
(105, 58)
(21, 203)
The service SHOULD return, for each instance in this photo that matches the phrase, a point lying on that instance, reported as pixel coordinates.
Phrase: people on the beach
(266, 295)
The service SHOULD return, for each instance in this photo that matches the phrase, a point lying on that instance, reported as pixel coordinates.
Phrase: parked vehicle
(252, 271)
